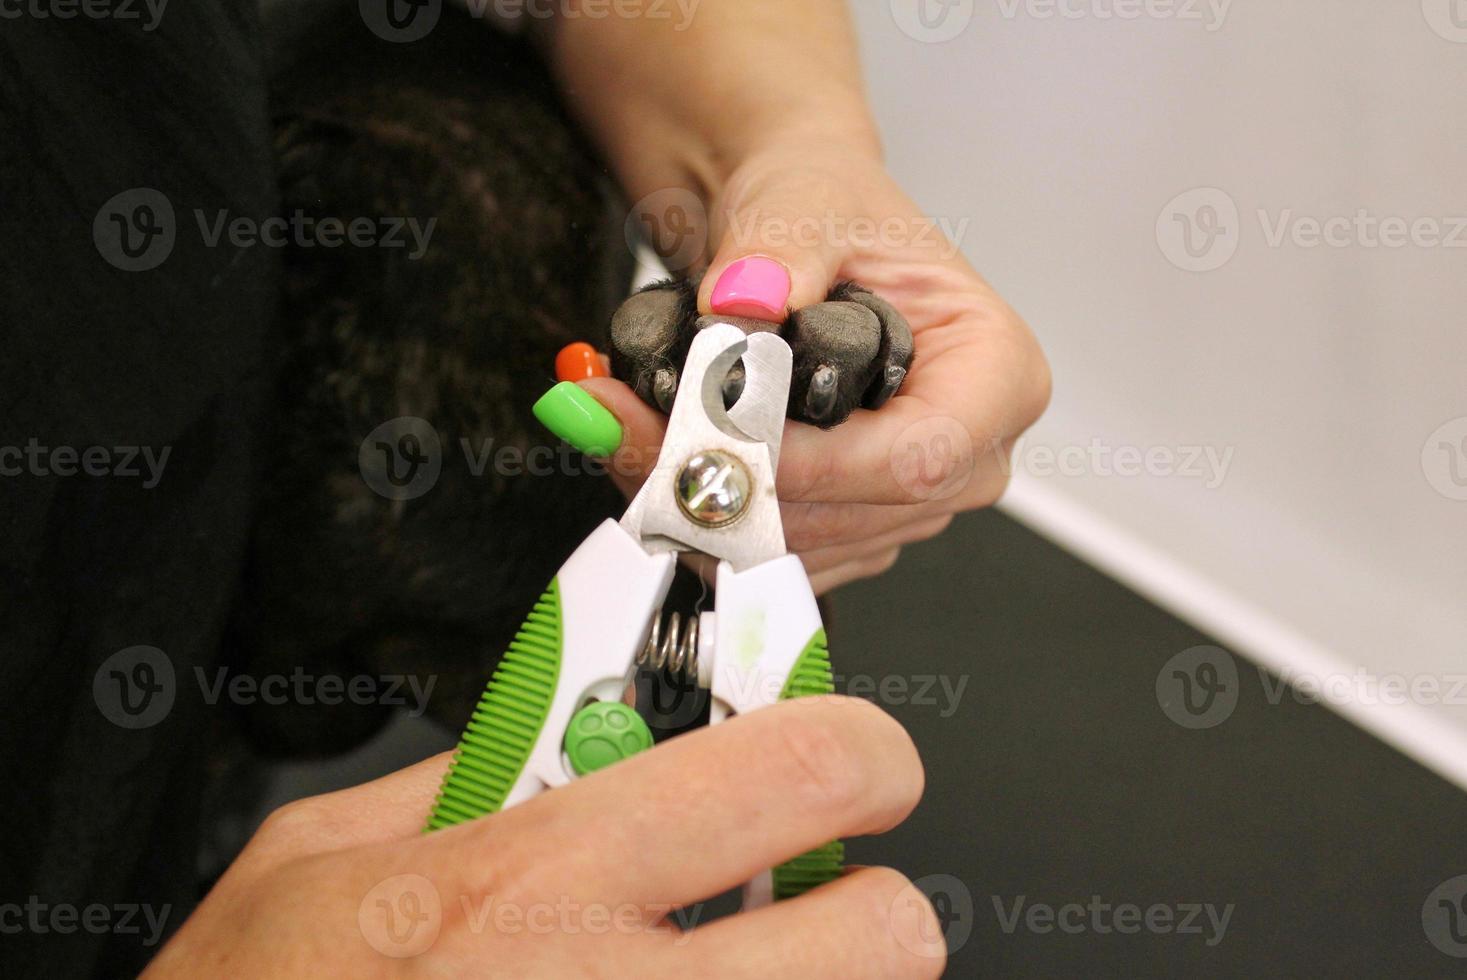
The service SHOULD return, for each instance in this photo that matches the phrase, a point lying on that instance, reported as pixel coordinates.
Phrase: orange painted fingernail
(577, 362)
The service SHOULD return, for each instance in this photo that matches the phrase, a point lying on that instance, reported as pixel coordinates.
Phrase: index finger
(945, 435)
(702, 812)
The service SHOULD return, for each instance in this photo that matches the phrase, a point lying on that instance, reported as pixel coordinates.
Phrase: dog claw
(820, 396)
(891, 380)
(733, 384)
(664, 388)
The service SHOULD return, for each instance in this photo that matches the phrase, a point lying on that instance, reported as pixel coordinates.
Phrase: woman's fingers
(839, 541)
(851, 571)
(700, 813)
(905, 453)
(871, 923)
(392, 808)
(823, 559)
(830, 568)
(898, 457)
(979, 380)
(814, 525)
(643, 429)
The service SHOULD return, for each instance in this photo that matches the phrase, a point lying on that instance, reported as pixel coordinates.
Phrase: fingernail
(577, 362)
(755, 287)
(571, 413)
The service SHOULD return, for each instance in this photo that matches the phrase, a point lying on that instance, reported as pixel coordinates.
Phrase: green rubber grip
(810, 675)
(502, 732)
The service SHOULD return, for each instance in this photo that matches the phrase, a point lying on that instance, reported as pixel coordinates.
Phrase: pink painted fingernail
(755, 287)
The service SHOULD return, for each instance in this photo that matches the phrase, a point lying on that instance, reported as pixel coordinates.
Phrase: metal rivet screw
(713, 487)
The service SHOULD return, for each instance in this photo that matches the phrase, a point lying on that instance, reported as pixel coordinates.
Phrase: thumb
(774, 255)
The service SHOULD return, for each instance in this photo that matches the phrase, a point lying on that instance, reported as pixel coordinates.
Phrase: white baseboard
(1238, 624)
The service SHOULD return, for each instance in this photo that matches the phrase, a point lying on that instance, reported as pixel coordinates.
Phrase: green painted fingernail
(571, 413)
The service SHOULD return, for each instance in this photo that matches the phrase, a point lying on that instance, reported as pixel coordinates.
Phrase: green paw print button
(603, 733)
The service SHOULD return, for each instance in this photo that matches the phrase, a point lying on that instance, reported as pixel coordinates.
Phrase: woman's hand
(584, 880)
(852, 496)
(755, 109)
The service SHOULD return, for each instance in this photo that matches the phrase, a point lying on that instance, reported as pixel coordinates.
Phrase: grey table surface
(1057, 778)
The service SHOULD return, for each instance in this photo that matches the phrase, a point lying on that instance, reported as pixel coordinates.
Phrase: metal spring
(677, 650)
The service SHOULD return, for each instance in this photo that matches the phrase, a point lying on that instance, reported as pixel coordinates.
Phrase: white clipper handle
(765, 620)
(609, 591)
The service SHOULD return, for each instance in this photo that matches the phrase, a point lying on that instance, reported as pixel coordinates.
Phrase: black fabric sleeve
(125, 331)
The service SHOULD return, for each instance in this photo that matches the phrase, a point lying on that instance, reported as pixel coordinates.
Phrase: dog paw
(851, 351)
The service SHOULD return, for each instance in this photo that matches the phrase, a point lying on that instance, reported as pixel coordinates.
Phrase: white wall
(1324, 371)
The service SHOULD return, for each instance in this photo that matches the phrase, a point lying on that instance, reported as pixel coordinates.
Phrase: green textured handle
(502, 732)
(499, 737)
(810, 675)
